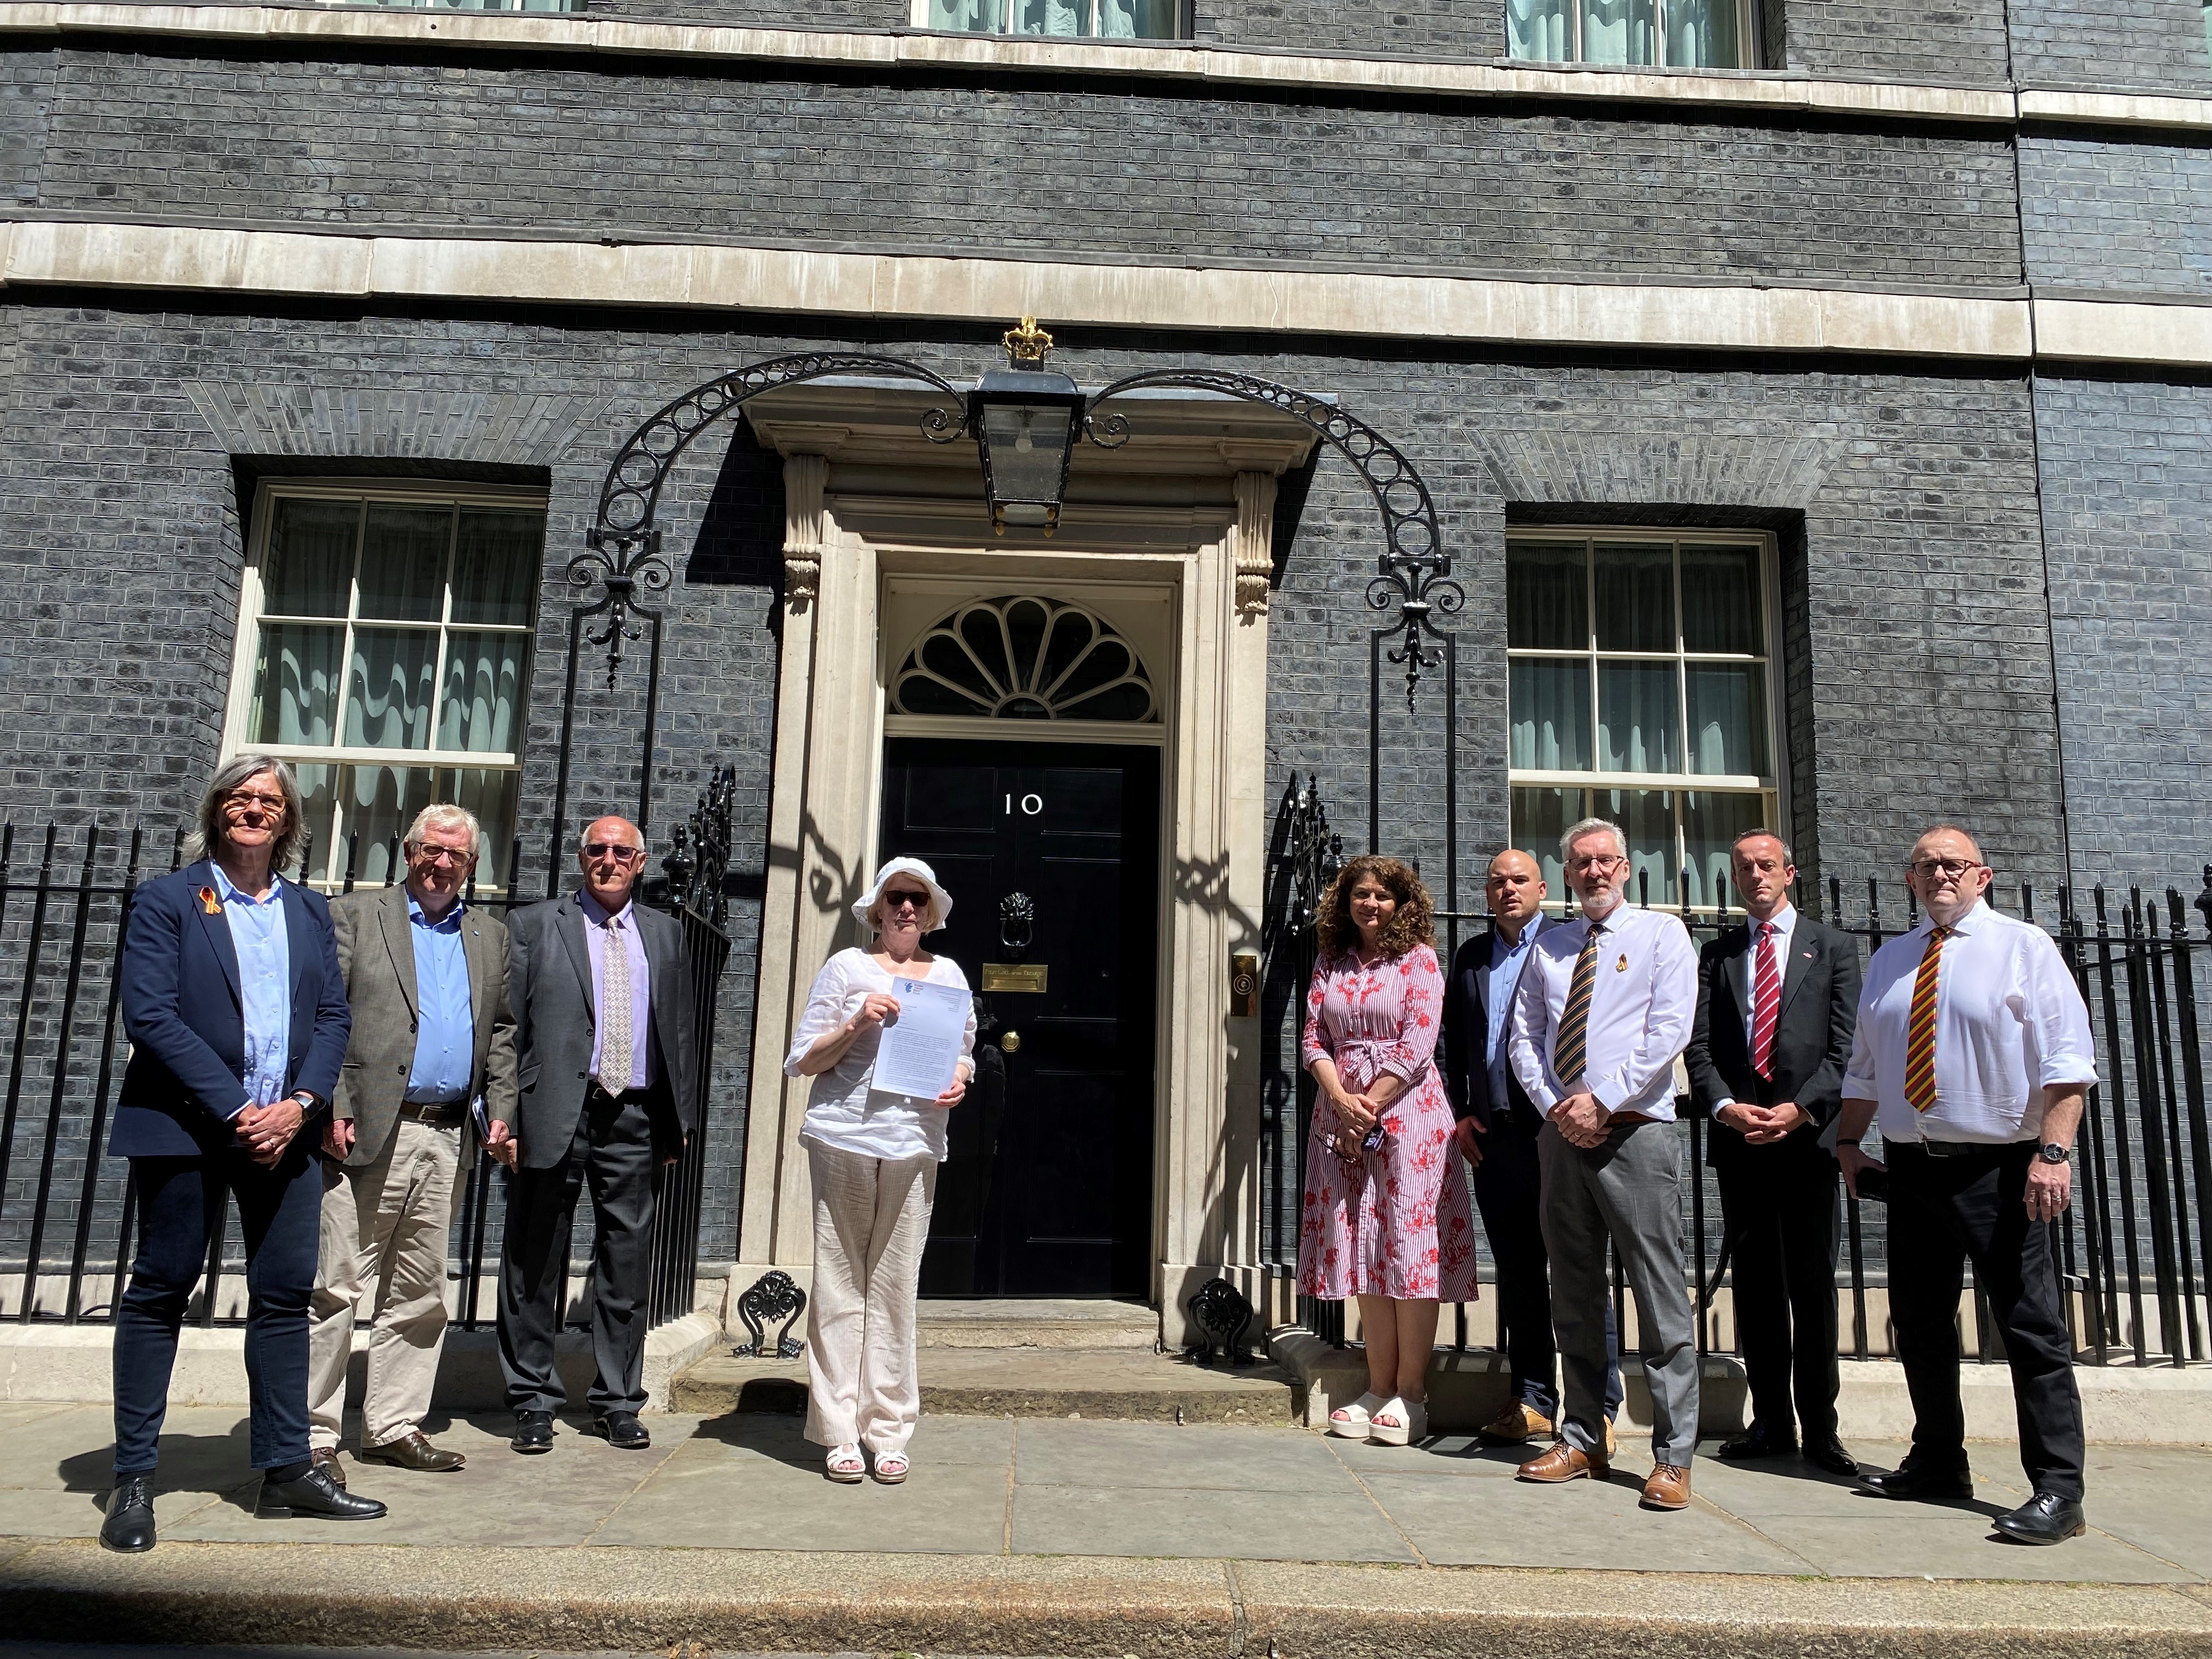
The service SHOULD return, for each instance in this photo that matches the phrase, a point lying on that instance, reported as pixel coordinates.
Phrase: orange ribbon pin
(208, 903)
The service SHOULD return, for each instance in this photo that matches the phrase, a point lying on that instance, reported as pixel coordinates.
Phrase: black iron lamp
(1026, 418)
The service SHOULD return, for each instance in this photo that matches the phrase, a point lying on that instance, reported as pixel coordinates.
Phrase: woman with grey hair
(238, 1023)
(874, 1156)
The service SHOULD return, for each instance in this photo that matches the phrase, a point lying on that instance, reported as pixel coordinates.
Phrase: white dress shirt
(1640, 1011)
(2009, 1022)
(844, 1109)
(1784, 923)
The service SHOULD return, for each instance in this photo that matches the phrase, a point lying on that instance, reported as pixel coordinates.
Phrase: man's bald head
(1514, 889)
(612, 853)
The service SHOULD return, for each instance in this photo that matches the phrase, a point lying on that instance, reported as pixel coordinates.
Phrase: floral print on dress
(1397, 1222)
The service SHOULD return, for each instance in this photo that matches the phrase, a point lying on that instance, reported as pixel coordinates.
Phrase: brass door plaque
(1014, 975)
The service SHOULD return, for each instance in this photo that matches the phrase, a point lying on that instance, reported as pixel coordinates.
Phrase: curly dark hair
(1413, 922)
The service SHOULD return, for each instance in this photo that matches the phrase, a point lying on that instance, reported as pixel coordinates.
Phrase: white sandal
(1409, 1422)
(845, 1465)
(1350, 1421)
(890, 1469)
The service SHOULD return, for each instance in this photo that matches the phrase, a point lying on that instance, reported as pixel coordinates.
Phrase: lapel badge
(209, 904)
(1621, 967)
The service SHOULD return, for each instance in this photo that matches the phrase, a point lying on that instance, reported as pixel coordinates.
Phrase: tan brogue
(1562, 1463)
(1668, 1488)
(1516, 1423)
(326, 1458)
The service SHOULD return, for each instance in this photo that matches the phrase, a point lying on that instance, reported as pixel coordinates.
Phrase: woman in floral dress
(1390, 1223)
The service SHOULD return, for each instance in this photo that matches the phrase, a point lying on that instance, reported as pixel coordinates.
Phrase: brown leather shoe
(411, 1451)
(1562, 1463)
(1668, 1488)
(326, 1458)
(1516, 1423)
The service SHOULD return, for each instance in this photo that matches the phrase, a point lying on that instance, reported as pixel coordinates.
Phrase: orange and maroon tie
(1570, 1053)
(1920, 1031)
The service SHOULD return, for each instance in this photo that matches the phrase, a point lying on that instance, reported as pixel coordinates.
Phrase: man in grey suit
(426, 974)
(608, 1075)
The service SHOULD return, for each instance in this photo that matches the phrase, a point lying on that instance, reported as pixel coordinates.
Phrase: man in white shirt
(1603, 1012)
(1973, 1044)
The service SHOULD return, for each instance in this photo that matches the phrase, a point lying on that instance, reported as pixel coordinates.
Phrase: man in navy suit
(1777, 999)
(1497, 1126)
(238, 1023)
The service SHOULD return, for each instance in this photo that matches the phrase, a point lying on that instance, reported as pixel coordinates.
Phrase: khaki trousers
(871, 1221)
(387, 1223)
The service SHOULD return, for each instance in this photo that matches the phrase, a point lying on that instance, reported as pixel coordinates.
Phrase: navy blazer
(1465, 1040)
(1812, 1034)
(186, 1019)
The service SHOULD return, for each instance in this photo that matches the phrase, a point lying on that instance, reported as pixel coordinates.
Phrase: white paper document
(920, 1049)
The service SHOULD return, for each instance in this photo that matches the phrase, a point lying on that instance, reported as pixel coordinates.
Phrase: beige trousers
(385, 1224)
(871, 1221)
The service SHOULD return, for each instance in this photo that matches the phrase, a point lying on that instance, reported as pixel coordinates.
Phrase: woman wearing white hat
(873, 1157)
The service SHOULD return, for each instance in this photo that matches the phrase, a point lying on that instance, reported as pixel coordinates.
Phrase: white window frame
(1774, 786)
(239, 712)
(1748, 44)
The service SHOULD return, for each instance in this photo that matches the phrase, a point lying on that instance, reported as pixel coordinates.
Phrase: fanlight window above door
(1023, 658)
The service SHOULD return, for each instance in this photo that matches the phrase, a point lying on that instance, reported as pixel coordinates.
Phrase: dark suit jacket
(376, 952)
(1466, 1036)
(184, 1015)
(1812, 1037)
(550, 986)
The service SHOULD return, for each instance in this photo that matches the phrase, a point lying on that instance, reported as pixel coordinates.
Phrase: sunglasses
(902, 898)
(607, 849)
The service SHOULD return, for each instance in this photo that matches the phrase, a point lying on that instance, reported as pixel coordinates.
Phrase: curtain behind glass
(1617, 30)
(1710, 824)
(402, 562)
(972, 17)
(1720, 600)
(1702, 35)
(308, 569)
(1051, 17)
(1137, 19)
(1546, 596)
(1548, 703)
(381, 802)
(1539, 818)
(1728, 717)
(496, 556)
(388, 692)
(1646, 816)
(483, 691)
(1635, 597)
(1539, 29)
(295, 683)
(1636, 719)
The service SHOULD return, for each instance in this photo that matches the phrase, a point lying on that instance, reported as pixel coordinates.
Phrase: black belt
(436, 1113)
(1965, 1148)
(596, 1093)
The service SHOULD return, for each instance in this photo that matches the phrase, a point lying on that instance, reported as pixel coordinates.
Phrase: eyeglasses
(1943, 867)
(1598, 861)
(428, 854)
(607, 849)
(239, 799)
(903, 900)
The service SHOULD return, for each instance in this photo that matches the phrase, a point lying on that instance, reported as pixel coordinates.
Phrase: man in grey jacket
(426, 973)
(609, 1092)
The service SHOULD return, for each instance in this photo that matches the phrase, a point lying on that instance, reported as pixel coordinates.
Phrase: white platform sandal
(1406, 1423)
(1350, 1421)
(890, 1469)
(845, 1465)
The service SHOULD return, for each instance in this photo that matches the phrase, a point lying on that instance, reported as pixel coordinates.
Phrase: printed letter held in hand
(921, 1046)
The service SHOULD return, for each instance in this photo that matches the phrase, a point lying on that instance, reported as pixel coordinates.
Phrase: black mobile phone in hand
(1873, 1183)
(1373, 1140)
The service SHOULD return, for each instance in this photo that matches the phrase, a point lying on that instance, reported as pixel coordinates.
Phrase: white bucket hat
(940, 899)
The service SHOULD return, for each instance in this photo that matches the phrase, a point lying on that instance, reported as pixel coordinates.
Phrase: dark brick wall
(2127, 502)
(2151, 45)
(1956, 44)
(25, 93)
(2097, 215)
(1012, 170)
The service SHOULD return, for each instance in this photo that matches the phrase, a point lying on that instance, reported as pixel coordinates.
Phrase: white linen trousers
(870, 1222)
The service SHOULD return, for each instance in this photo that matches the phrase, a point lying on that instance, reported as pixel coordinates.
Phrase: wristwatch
(2051, 1152)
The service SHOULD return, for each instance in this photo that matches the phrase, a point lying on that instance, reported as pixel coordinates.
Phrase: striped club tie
(1765, 1003)
(1920, 1030)
(1571, 1053)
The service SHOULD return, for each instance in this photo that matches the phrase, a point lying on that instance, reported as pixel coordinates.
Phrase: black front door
(1049, 1190)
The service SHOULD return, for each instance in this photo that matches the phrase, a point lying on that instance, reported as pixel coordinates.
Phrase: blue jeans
(180, 1204)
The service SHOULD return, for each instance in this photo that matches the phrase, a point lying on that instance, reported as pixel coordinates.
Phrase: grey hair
(1587, 827)
(209, 831)
(444, 814)
(1764, 834)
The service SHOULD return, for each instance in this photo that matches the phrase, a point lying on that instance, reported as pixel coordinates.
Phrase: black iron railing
(67, 1210)
(2135, 1247)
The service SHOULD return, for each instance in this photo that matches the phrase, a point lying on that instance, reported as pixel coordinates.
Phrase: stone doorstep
(2120, 1405)
(631, 1600)
(1112, 1384)
(1040, 1324)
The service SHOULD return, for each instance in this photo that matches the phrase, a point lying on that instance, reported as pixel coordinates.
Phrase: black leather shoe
(129, 1527)
(533, 1432)
(2045, 1518)
(1758, 1442)
(314, 1493)
(621, 1429)
(1917, 1481)
(1828, 1454)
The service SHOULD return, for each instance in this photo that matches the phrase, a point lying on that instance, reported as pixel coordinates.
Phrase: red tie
(1765, 1003)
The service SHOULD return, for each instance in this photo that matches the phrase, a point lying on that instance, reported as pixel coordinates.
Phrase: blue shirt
(444, 1031)
(1498, 1001)
(264, 945)
(595, 933)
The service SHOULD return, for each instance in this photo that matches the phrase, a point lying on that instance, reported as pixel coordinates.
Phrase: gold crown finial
(1026, 344)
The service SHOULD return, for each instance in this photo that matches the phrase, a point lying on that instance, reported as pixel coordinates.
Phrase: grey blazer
(376, 954)
(549, 985)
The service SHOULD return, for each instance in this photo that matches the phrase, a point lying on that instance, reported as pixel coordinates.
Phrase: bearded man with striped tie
(1777, 998)
(1973, 1044)
(1602, 1012)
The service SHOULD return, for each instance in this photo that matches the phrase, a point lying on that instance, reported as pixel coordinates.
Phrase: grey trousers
(1629, 1189)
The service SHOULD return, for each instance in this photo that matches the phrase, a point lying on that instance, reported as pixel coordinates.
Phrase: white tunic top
(844, 1111)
